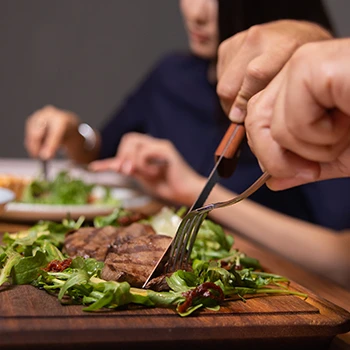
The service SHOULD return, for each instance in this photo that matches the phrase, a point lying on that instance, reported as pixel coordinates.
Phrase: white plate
(130, 199)
(5, 197)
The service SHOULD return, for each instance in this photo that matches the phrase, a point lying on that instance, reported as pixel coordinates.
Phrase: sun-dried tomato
(203, 290)
(58, 265)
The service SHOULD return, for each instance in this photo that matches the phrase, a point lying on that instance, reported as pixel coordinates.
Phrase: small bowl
(6, 196)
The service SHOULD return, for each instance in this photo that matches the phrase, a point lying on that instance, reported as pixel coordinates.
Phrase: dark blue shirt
(177, 102)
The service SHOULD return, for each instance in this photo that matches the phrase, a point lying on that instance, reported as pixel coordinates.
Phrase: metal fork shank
(189, 226)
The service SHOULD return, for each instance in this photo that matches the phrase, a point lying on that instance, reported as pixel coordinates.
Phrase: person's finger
(259, 72)
(313, 132)
(35, 132)
(153, 160)
(112, 164)
(277, 161)
(229, 69)
(128, 150)
(53, 139)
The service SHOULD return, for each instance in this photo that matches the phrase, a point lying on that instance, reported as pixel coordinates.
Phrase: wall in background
(86, 56)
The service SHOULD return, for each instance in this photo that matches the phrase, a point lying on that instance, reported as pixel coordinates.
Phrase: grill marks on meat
(130, 253)
(134, 260)
(90, 242)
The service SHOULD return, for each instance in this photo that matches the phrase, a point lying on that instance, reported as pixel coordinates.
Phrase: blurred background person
(177, 100)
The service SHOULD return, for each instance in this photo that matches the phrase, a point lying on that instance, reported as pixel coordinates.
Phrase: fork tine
(195, 231)
(184, 239)
(178, 243)
(187, 232)
(195, 222)
(182, 244)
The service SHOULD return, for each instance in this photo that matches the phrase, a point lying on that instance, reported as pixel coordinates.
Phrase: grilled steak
(133, 261)
(130, 253)
(90, 242)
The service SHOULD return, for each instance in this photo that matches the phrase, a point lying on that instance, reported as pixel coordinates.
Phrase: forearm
(318, 249)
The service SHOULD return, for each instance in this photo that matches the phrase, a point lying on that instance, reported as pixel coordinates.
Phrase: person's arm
(299, 126)
(318, 249)
(162, 172)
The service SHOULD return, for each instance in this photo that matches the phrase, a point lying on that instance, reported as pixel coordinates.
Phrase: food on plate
(6, 196)
(103, 266)
(14, 183)
(62, 190)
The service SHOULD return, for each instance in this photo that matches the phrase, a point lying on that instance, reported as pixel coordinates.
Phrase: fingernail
(236, 115)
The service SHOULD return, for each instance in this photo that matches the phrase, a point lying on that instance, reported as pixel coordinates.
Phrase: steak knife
(226, 157)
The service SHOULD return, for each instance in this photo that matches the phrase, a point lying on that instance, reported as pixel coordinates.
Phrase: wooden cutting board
(30, 318)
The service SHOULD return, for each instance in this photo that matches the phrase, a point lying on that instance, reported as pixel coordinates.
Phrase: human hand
(48, 129)
(299, 126)
(157, 166)
(249, 60)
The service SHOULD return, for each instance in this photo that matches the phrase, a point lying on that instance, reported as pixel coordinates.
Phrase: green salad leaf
(65, 190)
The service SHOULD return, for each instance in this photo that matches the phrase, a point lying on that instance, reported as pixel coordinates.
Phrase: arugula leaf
(13, 259)
(29, 268)
(63, 190)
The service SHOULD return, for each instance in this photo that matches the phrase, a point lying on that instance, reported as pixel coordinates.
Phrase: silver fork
(186, 234)
(182, 243)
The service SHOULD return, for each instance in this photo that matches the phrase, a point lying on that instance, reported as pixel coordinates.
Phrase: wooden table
(69, 326)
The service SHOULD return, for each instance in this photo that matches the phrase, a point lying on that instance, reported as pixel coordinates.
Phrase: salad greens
(64, 189)
(219, 271)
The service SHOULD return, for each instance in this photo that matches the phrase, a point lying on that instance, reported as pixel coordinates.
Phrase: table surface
(321, 287)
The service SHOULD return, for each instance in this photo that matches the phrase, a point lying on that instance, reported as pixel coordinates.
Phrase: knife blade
(226, 157)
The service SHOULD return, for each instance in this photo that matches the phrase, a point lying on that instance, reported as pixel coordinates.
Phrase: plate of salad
(66, 196)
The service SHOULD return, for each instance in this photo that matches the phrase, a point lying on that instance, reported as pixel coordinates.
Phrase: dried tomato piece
(58, 265)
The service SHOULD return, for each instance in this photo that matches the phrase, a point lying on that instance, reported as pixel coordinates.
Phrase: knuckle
(225, 90)
(253, 104)
(301, 54)
(242, 99)
(222, 49)
(256, 72)
(254, 34)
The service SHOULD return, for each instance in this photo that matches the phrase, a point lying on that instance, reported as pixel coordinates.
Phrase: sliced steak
(90, 242)
(129, 253)
(132, 261)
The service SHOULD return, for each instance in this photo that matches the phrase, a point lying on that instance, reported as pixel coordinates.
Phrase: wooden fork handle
(233, 139)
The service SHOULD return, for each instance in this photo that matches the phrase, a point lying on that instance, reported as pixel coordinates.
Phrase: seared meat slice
(130, 253)
(90, 242)
(159, 283)
(132, 261)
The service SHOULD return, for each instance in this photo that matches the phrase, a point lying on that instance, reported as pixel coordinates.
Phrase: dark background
(86, 55)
